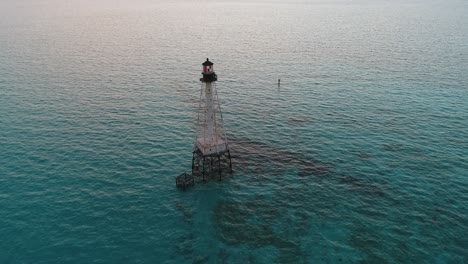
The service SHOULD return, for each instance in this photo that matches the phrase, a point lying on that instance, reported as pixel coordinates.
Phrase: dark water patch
(251, 224)
(262, 157)
(361, 185)
(363, 155)
(185, 247)
(223, 256)
(201, 259)
(251, 259)
(400, 152)
(393, 164)
(232, 221)
(299, 120)
(283, 219)
(406, 226)
(393, 147)
(367, 242)
(186, 211)
(312, 167)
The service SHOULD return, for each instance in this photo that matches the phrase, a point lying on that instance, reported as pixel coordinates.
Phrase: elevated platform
(211, 147)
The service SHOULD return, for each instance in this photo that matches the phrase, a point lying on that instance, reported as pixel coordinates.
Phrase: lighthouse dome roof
(207, 62)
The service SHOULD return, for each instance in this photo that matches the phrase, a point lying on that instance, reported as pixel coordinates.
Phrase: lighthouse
(211, 153)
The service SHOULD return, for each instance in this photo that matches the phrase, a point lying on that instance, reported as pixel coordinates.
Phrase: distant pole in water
(279, 82)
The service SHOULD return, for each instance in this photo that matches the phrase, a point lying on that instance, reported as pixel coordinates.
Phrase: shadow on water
(185, 246)
(360, 185)
(252, 224)
(283, 219)
(293, 216)
(251, 154)
(260, 158)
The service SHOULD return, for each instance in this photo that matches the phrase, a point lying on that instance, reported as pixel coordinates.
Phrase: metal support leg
(193, 161)
(203, 170)
(230, 162)
(219, 166)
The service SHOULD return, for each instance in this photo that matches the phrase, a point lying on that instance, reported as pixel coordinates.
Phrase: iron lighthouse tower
(211, 149)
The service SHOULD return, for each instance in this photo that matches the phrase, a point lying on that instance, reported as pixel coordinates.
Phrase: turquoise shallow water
(361, 156)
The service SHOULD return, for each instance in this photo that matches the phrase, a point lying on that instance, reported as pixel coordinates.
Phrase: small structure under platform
(184, 180)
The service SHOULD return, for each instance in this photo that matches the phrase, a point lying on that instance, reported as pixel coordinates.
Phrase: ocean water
(360, 156)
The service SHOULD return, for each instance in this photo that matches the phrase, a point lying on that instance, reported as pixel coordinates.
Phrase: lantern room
(208, 74)
(207, 66)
